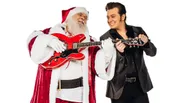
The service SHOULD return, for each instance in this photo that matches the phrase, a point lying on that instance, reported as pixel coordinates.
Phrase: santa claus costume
(47, 81)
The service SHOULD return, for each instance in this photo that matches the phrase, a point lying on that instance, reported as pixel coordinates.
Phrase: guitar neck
(86, 44)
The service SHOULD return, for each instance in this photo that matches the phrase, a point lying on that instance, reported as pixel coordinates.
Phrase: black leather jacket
(116, 85)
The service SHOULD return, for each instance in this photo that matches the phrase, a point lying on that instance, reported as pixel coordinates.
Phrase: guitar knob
(49, 63)
(55, 60)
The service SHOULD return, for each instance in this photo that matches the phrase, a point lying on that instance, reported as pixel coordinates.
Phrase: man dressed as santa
(74, 81)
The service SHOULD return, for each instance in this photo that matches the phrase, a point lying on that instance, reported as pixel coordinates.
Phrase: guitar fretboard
(87, 44)
(80, 45)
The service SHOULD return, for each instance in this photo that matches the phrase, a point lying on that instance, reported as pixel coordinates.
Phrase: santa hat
(70, 12)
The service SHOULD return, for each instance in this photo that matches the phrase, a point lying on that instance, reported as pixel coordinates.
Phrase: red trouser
(64, 101)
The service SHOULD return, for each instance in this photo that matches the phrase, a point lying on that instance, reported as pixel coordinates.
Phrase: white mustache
(82, 21)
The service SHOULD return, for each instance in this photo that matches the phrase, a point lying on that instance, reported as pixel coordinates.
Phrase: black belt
(73, 83)
(130, 79)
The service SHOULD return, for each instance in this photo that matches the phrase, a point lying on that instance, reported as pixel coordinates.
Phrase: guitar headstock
(131, 42)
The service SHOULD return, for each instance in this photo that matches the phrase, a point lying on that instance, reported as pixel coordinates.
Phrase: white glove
(57, 45)
(108, 47)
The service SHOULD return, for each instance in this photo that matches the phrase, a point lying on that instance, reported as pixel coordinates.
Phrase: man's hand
(57, 45)
(143, 38)
(120, 46)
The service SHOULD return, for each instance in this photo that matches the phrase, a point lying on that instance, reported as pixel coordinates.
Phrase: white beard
(75, 27)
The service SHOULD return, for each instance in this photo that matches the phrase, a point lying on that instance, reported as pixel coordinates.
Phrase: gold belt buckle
(59, 85)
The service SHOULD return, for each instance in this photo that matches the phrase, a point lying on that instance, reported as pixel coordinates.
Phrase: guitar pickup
(75, 45)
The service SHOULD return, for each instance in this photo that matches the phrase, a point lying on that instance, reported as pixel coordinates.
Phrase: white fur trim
(85, 77)
(111, 67)
(32, 35)
(77, 10)
(74, 11)
(53, 85)
(57, 29)
(101, 67)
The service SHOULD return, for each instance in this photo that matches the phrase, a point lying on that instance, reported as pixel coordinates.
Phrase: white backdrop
(159, 18)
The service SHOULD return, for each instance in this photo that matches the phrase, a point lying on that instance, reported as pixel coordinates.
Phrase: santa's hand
(108, 47)
(57, 45)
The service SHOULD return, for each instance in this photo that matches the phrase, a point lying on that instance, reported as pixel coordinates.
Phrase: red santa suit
(95, 63)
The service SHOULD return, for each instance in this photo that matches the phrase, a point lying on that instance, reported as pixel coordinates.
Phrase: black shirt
(128, 52)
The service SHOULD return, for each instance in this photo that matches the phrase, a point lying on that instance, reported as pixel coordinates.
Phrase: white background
(19, 18)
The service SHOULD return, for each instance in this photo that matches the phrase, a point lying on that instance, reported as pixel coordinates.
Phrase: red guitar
(74, 46)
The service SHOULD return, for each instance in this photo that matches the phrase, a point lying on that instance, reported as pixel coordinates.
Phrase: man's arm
(148, 47)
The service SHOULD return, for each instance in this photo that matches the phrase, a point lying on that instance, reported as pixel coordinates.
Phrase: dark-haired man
(131, 80)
